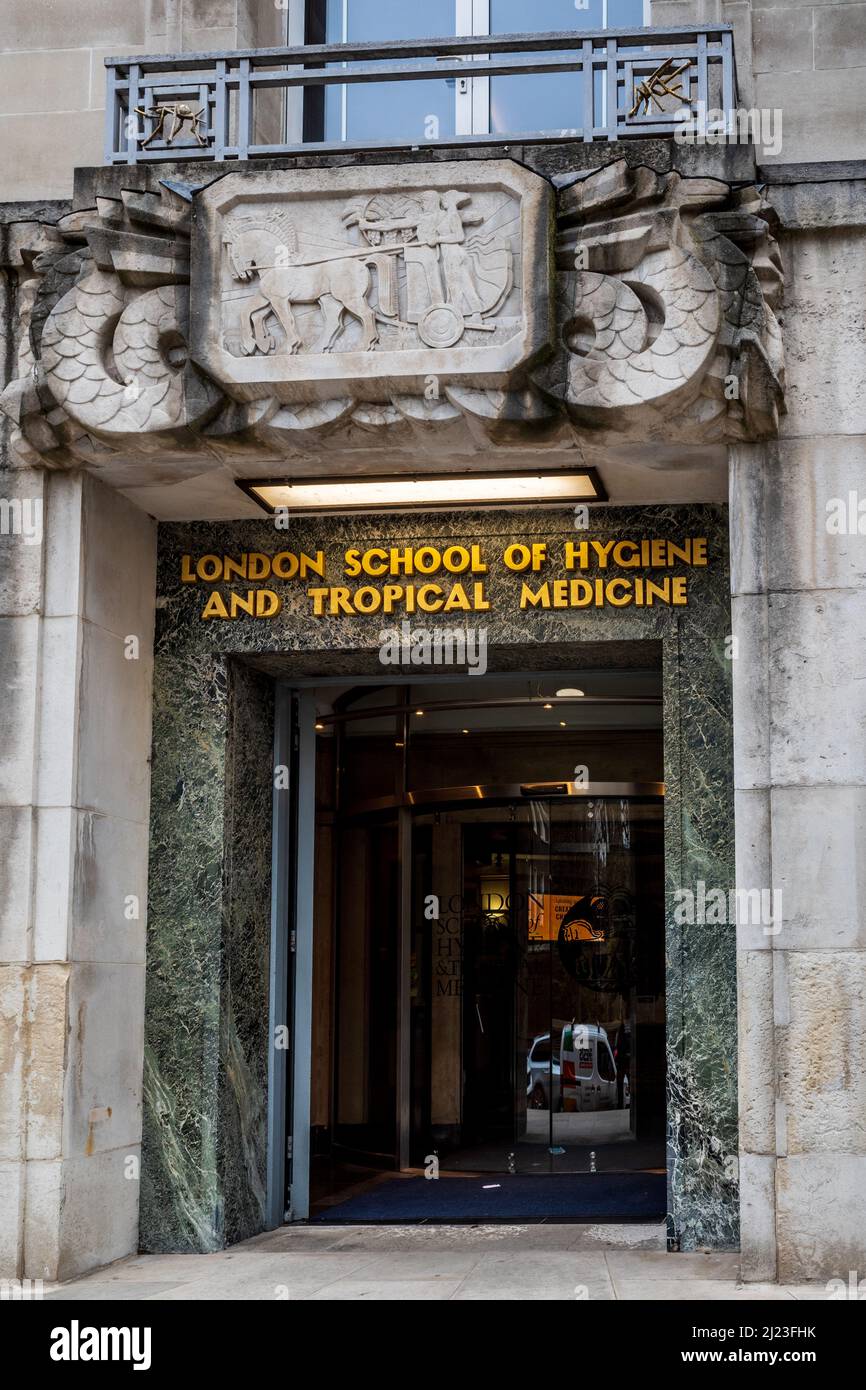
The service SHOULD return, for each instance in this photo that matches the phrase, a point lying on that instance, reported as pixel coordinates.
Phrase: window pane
(514, 17)
(391, 19)
(548, 102)
(416, 111)
(606, 1069)
(625, 14)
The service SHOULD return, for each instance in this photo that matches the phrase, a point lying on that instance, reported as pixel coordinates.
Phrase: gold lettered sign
(405, 579)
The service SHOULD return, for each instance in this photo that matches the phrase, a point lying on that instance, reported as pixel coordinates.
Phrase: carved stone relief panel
(345, 281)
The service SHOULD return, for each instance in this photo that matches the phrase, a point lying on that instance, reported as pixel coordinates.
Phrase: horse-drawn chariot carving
(417, 265)
(327, 284)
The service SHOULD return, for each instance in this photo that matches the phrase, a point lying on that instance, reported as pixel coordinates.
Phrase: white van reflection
(583, 1074)
(541, 1077)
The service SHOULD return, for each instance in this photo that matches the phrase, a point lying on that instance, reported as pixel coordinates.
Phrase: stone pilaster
(798, 577)
(76, 622)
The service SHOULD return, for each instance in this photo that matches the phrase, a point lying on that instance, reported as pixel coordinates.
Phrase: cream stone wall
(806, 58)
(52, 74)
(52, 87)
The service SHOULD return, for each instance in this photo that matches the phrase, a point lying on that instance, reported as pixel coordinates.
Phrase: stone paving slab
(647, 1264)
(704, 1290)
(94, 1291)
(417, 1263)
(414, 1290)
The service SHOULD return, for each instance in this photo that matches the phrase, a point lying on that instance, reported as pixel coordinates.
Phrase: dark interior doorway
(541, 980)
(489, 967)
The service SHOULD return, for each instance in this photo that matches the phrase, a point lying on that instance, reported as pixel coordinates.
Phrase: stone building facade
(682, 321)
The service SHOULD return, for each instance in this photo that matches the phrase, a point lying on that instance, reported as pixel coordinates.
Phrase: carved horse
(339, 285)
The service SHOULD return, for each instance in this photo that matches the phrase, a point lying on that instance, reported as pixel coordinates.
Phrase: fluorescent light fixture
(317, 495)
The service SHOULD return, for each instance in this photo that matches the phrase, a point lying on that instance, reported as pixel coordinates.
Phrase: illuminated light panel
(382, 494)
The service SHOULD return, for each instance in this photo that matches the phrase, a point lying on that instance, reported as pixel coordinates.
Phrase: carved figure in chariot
(435, 276)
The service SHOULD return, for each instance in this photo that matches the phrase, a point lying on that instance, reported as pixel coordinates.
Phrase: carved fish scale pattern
(626, 364)
(144, 393)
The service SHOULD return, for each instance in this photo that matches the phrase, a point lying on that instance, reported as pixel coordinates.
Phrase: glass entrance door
(537, 996)
(594, 985)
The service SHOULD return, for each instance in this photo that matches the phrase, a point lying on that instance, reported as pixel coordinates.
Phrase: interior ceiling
(534, 693)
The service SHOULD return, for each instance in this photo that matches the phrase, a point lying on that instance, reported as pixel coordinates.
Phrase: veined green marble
(209, 909)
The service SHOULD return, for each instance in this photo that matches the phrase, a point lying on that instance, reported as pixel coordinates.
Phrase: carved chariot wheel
(441, 326)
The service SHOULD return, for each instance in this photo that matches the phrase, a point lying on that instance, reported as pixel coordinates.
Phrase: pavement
(388, 1263)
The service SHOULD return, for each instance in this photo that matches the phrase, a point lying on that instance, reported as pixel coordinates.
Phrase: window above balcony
(504, 105)
(372, 84)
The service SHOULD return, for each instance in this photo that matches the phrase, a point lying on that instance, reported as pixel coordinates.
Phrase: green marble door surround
(207, 1027)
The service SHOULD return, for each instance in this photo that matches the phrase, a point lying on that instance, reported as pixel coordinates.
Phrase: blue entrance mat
(522, 1197)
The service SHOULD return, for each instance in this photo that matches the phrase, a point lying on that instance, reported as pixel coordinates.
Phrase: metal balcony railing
(254, 104)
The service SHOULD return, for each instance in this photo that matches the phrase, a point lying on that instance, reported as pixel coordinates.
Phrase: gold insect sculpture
(659, 84)
(180, 112)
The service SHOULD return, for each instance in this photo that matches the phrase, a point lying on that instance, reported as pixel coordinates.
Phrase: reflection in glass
(546, 102)
(422, 111)
(542, 968)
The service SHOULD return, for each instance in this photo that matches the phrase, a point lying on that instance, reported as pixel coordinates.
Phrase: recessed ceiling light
(548, 706)
(466, 731)
(562, 723)
(320, 727)
(448, 491)
(568, 693)
(419, 713)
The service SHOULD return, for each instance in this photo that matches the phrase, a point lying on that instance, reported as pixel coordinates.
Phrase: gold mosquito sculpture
(180, 112)
(659, 84)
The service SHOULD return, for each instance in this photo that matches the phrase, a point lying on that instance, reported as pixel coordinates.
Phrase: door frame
(292, 938)
(290, 1004)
